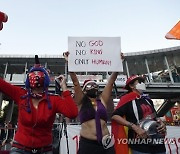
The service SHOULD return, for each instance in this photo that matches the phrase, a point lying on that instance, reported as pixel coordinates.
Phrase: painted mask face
(36, 79)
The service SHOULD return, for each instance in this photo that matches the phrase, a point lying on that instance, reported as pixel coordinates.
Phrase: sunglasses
(89, 86)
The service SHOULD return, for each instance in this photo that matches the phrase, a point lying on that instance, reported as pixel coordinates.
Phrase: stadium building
(160, 68)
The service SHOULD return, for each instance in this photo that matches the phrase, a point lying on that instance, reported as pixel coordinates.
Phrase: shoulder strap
(148, 102)
(135, 110)
(98, 123)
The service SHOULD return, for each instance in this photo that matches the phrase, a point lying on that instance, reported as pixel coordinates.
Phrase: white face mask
(141, 87)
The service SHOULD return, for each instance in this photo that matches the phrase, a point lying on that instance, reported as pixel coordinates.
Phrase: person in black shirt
(136, 111)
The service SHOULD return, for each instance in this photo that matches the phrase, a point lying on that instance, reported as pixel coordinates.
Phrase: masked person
(136, 111)
(94, 133)
(37, 110)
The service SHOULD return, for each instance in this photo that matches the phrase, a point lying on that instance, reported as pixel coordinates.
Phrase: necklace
(93, 103)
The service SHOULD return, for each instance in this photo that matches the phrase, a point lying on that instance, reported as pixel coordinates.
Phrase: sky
(43, 26)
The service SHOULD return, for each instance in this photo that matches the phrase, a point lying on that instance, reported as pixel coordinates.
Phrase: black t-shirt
(145, 107)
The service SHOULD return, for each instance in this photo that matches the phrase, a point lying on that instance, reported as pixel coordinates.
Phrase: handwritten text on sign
(94, 54)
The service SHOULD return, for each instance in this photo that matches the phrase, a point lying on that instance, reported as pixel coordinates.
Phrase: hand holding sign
(66, 54)
(122, 56)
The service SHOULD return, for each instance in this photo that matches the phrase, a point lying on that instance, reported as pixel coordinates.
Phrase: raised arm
(12, 91)
(108, 88)
(77, 88)
(67, 105)
(78, 93)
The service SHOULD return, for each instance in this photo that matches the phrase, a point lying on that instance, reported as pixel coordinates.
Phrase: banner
(172, 140)
(94, 54)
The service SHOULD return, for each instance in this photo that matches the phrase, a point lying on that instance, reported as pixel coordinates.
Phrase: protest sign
(94, 54)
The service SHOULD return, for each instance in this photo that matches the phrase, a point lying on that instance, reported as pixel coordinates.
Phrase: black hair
(130, 83)
(86, 103)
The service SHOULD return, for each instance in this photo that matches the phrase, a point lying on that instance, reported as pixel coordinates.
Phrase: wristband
(130, 125)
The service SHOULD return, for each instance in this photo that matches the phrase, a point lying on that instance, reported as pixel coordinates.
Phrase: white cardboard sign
(94, 54)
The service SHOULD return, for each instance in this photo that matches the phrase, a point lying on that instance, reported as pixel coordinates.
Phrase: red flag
(174, 33)
(119, 131)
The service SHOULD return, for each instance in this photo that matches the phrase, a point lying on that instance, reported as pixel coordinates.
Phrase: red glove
(1, 25)
(3, 18)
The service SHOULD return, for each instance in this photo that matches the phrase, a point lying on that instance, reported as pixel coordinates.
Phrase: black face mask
(92, 93)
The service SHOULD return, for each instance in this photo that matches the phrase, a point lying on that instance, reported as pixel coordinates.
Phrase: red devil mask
(36, 79)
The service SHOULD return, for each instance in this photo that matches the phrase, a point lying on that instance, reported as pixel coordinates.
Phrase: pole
(63, 125)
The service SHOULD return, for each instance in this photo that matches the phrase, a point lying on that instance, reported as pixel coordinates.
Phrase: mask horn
(37, 59)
